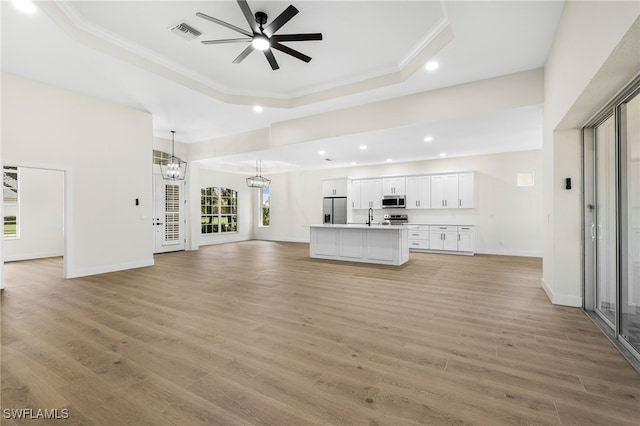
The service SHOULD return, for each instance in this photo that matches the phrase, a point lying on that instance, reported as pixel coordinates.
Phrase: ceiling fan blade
(297, 37)
(290, 51)
(226, 40)
(282, 19)
(244, 54)
(224, 24)
(272, 59)
(248, 15)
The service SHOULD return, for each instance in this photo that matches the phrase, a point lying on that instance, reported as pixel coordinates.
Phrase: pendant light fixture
(175, 168)
(258, 181)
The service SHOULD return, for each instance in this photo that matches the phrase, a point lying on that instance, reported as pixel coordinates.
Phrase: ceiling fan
(263, 37)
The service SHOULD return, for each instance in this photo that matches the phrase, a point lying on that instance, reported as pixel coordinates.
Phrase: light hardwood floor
(257, 333)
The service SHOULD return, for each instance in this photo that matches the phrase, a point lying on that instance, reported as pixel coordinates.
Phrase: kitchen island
(382, 244)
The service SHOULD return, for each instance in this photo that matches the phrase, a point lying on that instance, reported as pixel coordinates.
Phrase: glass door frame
(590, 218)
(615, 108)
(623, 201)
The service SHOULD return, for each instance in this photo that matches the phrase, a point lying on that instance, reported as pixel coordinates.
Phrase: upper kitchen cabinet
(371, 193)
(418, 192)
(444, 191)
(334, 188)
(393, 186)
(465, 190)
(355, 198)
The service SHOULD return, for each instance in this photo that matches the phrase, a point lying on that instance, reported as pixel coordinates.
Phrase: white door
(168, 216)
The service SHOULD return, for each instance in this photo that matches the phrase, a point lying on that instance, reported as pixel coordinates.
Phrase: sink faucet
(370, 216)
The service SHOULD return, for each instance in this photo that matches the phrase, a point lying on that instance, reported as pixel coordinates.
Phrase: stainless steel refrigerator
(334, 210)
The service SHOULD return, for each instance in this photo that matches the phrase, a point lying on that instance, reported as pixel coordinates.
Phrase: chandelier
(258, 181)
(175, 168)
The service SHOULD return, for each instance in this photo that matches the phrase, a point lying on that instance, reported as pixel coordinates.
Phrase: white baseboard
(76, 273)
(221, 239)
(561, 299)
(31, 256)
(521, 253)
(283, 240)
(458, 253)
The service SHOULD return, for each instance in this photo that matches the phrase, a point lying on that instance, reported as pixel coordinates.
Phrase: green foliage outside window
(218, 210)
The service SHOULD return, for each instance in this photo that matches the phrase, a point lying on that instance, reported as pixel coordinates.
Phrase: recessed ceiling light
(389, 160)
(25, 6)
(322, 152)
(431, 66)
(258, 108)
(443, 154)
(363, 147)
(428, 138)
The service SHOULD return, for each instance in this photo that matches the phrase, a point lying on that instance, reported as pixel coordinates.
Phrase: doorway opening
(33, 213)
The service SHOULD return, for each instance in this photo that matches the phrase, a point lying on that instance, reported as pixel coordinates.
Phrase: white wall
(508, 218)
(478, 97)
(203, 178)
(105, 150)
(41, 195)
(596, 51)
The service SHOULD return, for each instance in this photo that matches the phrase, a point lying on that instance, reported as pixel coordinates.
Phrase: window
(264, 207)
(160, 157)
(218, 210)
(525, 179)
(10, 190)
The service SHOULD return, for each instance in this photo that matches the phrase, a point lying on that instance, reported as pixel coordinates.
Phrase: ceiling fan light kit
(261, 37)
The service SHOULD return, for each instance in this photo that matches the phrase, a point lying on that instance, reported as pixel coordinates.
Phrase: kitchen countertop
(434, 224)
(358, 226)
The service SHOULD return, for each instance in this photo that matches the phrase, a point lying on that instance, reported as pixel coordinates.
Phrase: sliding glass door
(611, 147)
(629, 113)
(603, 232)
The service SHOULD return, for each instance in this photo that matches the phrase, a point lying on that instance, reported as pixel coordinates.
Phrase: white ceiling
(122, 51)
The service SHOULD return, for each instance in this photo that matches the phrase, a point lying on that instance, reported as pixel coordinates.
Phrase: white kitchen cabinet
(371, 193)
(452, 238)
(385, 245)
(418, 237)
(334, 188)
(443, 238)
(444, 191)
(356, 194)
(465, 190)
(466, 239)
(418, 194)
(393, 186)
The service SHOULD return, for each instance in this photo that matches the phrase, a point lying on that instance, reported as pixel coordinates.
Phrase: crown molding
(75, 27)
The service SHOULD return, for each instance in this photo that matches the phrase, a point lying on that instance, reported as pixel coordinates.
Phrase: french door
(611, 147)
(168, 215)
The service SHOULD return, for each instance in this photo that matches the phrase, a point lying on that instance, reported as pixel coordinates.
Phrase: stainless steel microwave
(393, 203)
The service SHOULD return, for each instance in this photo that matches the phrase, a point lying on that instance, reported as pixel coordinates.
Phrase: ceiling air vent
(185, 30)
